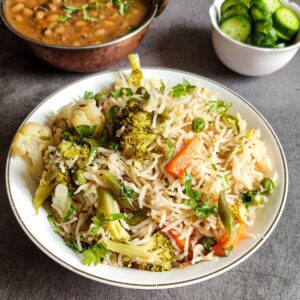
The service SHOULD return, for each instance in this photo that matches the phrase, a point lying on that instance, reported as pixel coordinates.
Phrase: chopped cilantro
(98, 223)
(88, 95)
(85, 130)
(202, 210)
(171, 147)
(183, 89)
(94, 254)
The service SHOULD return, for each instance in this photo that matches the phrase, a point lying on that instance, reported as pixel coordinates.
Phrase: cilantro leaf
(94, 254)
(124, 6)
(214, 167)
(122, 92)
(219, 106)
(86, 17)
(194, 195)
(171, 147)
(85, 130)
(230, 119)
(127, 191)
(71, 8)
(183, 89)
(68, 14)
(202, 210)
(97, 5)
(99, 223)
(88, 95)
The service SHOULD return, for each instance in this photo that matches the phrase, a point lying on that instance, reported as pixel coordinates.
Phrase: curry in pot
(76, 22)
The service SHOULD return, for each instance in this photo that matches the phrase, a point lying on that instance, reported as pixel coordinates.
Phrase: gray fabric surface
(179, 39)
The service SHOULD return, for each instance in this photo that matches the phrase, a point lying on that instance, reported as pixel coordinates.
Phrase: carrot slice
(181, 243)
(177, 165)
(225, 245)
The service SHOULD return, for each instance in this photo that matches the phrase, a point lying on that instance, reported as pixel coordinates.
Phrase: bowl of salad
(255, 37)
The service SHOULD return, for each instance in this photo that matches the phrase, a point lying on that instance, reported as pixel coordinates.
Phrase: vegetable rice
(149, 176)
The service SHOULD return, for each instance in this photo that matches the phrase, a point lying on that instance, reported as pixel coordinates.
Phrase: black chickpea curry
(76, 22)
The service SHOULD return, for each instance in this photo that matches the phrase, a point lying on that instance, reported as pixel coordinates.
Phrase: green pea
(268, 186)
(198, 124)
(79, 178)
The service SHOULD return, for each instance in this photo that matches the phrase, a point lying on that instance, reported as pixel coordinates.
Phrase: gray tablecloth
(179, 39)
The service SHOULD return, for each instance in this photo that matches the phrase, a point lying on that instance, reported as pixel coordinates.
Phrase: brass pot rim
(155, 11)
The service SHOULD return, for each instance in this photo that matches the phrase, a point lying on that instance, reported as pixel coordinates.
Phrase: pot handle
(161, 5)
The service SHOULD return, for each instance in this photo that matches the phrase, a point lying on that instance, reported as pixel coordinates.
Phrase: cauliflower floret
(30, 141)
(84, 112)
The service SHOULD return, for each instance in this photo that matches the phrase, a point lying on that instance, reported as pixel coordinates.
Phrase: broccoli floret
(138, 133)
(70, 150)
(47, 184)
(157, 255)
(107, 206)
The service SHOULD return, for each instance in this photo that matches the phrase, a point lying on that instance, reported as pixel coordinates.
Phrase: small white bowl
(21, 187)
(245, 59)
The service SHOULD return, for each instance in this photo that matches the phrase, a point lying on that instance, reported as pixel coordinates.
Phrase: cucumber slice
(237, 10)
(260, 39)
(228, 3)
(258, 15)
(282, 37)
(266, 28)
(286, 22)
(267, 6)
(236, 27)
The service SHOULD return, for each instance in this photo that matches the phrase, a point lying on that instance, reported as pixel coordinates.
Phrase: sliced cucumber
(266, 28)
(237, 10)
(286, 22)
(282, 37)
(228, 3)
(258, 15)
(266, 6)
(260, 39)
(236, 27)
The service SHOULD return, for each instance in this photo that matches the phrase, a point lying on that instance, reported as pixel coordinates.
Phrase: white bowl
(21, 187)
(245, 59)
